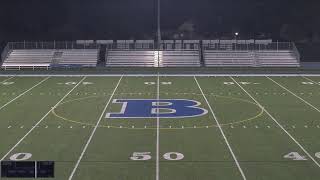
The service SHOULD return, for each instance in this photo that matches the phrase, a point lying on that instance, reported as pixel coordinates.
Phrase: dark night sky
(119, 19)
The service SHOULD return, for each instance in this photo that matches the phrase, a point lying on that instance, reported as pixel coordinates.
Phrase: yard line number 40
(144, 156)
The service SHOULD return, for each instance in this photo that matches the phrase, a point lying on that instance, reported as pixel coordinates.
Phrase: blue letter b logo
(153, 108)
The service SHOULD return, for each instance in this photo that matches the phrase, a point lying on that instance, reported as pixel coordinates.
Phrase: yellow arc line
(152, 128)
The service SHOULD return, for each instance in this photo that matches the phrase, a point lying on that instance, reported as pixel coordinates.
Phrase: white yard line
(306, 102)
(274, 119)
(7, 79)
(23, 93)
(310, 80)
(94, 131)
(41, 120)
(221, 130)
(158, 130)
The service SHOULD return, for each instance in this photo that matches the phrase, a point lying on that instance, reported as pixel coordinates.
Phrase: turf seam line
(284, 130)
(23, 93)
(221, 130)
(162, 75)
(306, 102)
(40, 121)
(94, 130)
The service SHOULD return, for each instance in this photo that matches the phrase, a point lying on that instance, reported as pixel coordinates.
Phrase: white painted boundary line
(306, 102)
(94, 131)
(158, 130)
(284, 130)
(161, 75)
(23, 93)
(7, 79)
(221, 130)
(41, 120)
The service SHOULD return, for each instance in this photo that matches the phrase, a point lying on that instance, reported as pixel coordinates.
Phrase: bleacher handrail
(52, 45)
(243, 46)
(296, 51)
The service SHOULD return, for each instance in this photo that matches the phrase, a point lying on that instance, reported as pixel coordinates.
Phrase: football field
(161, 127)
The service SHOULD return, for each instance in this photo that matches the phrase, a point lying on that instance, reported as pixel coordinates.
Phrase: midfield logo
(153, 108)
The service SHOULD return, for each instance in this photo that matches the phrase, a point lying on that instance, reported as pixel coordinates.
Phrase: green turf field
(255, 128)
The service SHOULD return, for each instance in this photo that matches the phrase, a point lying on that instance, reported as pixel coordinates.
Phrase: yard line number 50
(144, 156)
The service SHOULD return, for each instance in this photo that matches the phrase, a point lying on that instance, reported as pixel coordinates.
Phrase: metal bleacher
(127, 53)
(179, 53)
(249, 53)
(76, 57)
(31, 58)
(36, 55)
(130, 58)
(142, 53)
(178, 58)
(147, 53)
(228, 58)
(282, 58)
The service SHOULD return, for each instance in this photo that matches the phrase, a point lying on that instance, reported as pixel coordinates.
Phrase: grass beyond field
(251, 128)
